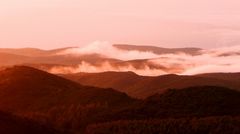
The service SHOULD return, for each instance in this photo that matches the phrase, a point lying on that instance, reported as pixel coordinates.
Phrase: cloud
(106, 49)
(208, 62)
(104, 67)
(225, 59)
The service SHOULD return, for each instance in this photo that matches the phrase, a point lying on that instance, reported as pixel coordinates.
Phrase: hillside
(223, 76)
(10, 124)
(51, 99)
(205, 109)
(114, 80)
(71, 108)
(144, 86)
(207, 125)
(195, 101)
(203, 101)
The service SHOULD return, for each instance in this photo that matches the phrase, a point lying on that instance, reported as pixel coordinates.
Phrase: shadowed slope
(207, 125)
(14, 125)
(71, 107)
(190, 102)
(54, 100)
(196, 101)
(204, 109)
(29, 88)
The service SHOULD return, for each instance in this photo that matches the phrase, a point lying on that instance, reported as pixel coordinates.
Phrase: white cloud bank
(106, 49)
(215, 60)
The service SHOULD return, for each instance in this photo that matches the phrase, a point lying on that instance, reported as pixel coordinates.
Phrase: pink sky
(167, 23)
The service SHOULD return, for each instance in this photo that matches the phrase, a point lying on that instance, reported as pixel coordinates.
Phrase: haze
(167, 23)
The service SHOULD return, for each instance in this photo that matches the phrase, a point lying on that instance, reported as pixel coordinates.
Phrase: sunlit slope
(143, 86)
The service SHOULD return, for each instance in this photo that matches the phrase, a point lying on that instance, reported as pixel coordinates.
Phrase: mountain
(72, 59)
(203, 109)
(10, 124)
(44, 97)
(69, 107)
(22, 56)
(19, 81)
(158, 50)
(144, 86)
(12, 59)
(198, 101)
(195, 101)
(118, 80)
(32, 52)
(223, 76)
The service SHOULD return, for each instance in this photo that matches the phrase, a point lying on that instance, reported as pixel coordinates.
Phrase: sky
(51, 24)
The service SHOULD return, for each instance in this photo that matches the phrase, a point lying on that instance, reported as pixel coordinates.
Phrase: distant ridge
(144, 86)
(159, 50)
(33, 52)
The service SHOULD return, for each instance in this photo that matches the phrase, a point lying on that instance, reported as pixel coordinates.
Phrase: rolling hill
(198, 101)
(7, 59)
(35, 56)
(70, 107)
(144, 86)
(44, 97)
(203, 109)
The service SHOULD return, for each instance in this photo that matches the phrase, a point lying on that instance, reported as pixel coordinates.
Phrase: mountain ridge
(159, 50)
(144, 86)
